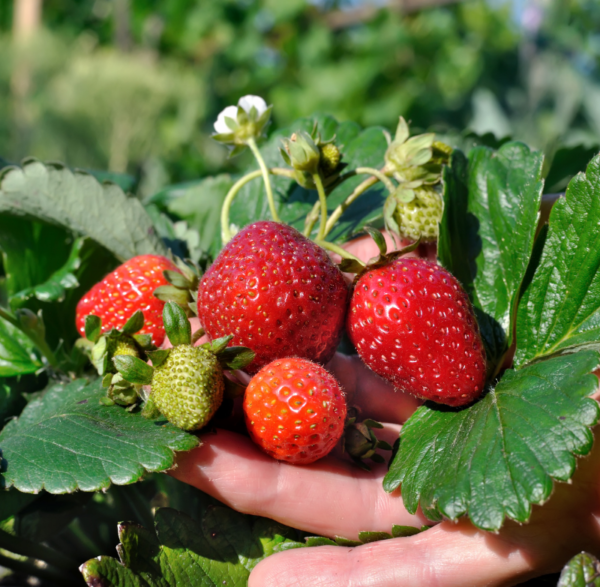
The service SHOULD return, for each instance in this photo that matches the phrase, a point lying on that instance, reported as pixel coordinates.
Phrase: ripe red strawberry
(277, 292)
(413, 324)
(295, 410)
(128, 288)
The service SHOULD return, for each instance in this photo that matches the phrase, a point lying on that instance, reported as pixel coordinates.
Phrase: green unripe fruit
(330, 158)
(420, 217)
(123, 347)
(188, 386)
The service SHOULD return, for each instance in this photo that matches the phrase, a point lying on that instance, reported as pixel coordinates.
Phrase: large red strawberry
(413, 324)
(277, 292)
(295, 410)
(128, 288)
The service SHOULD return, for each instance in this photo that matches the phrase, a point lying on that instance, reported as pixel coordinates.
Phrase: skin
(334, 498)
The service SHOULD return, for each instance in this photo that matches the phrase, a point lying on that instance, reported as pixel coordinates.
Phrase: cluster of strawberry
(275, 292)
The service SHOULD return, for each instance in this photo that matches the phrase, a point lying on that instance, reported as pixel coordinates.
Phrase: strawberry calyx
(384, 258)
(138, 373)
(103, 347)
(360, 442)
(182, 288)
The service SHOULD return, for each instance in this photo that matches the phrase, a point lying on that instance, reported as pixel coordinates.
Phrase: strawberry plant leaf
(500, 455)
(67, 441)
(486, 237)
(54, 288)
(220, 549)
(54, 194)
(560, 309)
(583, 570)
(359, 148)
(17, 355)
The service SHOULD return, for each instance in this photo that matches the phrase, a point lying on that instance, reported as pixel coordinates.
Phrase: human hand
(332, 497)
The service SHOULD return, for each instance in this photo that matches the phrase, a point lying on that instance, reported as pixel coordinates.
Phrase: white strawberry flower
(237, 125)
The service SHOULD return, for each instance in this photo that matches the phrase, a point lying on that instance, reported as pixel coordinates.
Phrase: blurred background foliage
(134, 85)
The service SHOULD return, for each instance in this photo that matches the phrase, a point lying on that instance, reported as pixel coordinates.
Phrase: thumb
(448, 555)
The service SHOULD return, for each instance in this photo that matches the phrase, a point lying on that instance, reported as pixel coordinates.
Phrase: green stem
(312, 218)
(382, 177)
(31, 549)
(48, 574)
(266, 179)
(323, 200)
(40, 343)
(343, 253)
(232, 193)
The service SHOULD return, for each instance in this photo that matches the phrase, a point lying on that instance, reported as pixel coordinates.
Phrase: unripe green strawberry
(188, 387)
(187, 382)
(420, 217)
(122, 347)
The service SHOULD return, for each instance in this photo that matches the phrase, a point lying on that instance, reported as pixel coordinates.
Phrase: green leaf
(54, 288)
(177, 325)
(93, 327)
(500, 455)
(133, 369)
(359, 147)
(199, 204)
(12, 400)
(583, 570)
(66, 441)
(567, 162)
(220, 549)
(560, 309)
(54, 194)
(491, 204)
(16, 352)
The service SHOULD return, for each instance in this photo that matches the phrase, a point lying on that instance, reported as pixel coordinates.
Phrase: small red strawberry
(295, 410)
(413, 324)
(128, 288)
(277, 292)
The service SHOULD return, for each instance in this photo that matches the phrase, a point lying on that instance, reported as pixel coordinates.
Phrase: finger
(329, 497)
(446, 556)
(454, 555)
(373, 395)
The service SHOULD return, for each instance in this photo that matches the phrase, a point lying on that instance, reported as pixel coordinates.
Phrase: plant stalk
(265, 173)
(24, 547)
(226, 235)
(323, 200)
(343, 253)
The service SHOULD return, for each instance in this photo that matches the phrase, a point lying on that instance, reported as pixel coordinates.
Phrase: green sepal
(150, 411)
(170, 293)
(106, 401)
(107, 380)
(177, 325)
(405, 531)
(134, 323)
(319, 541)
(378, 237)
(158, 357)
(372, 424)
(351, 266)
(133, 369)
(122, 391)
(235, 357)
(218, 345)
(144, 341)
(177, 280)
(93, 327)
(99, 355)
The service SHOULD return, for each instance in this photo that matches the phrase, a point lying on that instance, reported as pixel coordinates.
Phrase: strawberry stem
(323, 200)
(360, 189)
(265, 173)
(226, 235)
(343, 253)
